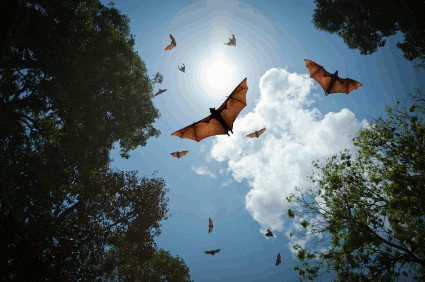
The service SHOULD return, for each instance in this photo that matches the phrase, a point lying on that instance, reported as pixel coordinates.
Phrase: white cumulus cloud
(281, 158)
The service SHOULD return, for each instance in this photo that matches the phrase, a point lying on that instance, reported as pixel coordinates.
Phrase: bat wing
(183, 153)
(345, 86)
(216, 251)
(209, 252)
(175, 154)
(160, 91)
(210, 126)
(317, 72)
(172, 45)
(234, 104)
(210, 225)
(278, 261)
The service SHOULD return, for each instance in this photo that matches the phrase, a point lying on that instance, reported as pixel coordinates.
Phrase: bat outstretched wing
(345, 86)
(210, 226)
(317, 72)
(254, 134)
(172, 45)
(212, 252)
(209, 126)
(179, 154)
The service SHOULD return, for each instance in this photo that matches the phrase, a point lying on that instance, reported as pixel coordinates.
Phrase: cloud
(282, 157)
(227, 182)
(203, 171)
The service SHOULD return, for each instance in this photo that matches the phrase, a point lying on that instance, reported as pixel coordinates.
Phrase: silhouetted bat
(212, 252)
(160, 92)
(256, 133)
(210, 225)
(221, 120)
(172, 45)
(232, 41)
(278, 261)
(182, 68)
(269, 233)
(179, 154)
(331, 83)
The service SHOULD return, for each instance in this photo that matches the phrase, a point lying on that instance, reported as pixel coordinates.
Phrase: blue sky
(239, 182)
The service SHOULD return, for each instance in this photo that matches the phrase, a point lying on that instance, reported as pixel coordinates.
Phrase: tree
(364, 24)
(369, 214)
(71, 85)
(162, 267)
(73, 68)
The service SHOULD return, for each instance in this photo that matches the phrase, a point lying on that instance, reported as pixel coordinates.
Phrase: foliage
(162, 267)
(368, 214)
(74, 68)
(364, 24)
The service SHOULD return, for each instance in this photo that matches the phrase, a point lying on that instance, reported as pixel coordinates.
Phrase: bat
(172, 45)
(278, 261)
(179, 154)
(210, 225)
(182, 68)
(212, 252)
(221, 120)
(160, 92)
(256, 133)
(331, 83)
(269, 233)
(232, 41)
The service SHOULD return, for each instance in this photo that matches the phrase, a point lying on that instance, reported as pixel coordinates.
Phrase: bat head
(212, 110)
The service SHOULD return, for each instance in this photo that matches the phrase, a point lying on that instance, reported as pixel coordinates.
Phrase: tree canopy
(367, 214)
(364, 24)
(71, 86)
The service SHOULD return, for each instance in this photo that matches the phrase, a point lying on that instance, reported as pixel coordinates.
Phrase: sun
(217, 72)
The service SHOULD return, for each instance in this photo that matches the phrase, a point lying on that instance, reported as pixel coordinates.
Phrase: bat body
(179, 154)
(160, 92)
(210, 226)
(212, 252)
(172, 45)
(269, 233)
(232, 41)
(256, 133)
(182, 68)
(278, 261)
(221, 120)
(331, 83)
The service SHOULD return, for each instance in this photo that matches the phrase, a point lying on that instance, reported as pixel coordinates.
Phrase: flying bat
(179, 154)
(331, 83)
(172, 45)
(182, 68)
(269, 233)
(221, 120)
(232, 41)
(212, 252)
(160, 92)
(210, 226)
(278, 261)
(256, 133)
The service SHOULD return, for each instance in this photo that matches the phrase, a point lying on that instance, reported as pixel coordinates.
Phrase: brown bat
(331, 83)
(160, 92)
(172, 45)
(221, 120)
(182, 68)
(278, 261)
(212, 252)
(179, 154)
(256, 133)
(210, 225)
(269, 233)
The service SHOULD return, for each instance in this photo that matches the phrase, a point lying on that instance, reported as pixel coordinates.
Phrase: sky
(241, 183)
